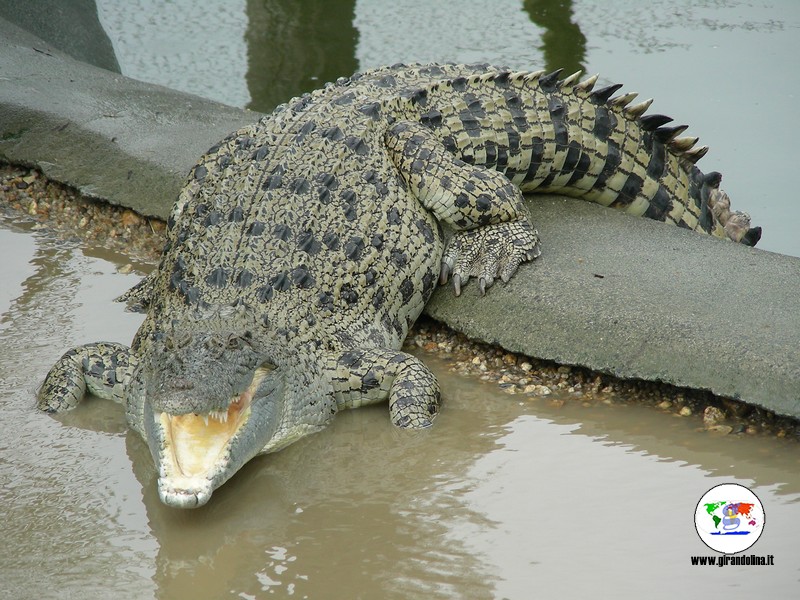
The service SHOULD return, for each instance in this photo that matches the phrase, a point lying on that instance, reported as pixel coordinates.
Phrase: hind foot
(736, 224)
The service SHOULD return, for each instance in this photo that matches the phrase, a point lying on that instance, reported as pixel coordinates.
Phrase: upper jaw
(196, 453)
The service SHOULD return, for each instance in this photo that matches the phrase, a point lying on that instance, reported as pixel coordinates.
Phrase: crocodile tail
(550, 134)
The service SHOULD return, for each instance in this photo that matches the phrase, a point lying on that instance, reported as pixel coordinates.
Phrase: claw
(457, 284)
(485, 284)
(444, 273)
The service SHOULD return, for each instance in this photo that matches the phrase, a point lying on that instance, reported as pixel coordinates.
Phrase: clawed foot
(488, 252)
(736, 224)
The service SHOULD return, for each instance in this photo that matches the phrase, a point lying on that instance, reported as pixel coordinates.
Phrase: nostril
(181, 383)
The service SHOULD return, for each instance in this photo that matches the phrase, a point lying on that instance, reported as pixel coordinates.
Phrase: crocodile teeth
(219, 415)
(205, 420)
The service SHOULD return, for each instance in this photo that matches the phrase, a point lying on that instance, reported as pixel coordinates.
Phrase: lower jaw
(184, 492)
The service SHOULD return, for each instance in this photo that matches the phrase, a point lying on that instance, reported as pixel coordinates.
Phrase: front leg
(367, 376)
(493, 232)
(101, 368)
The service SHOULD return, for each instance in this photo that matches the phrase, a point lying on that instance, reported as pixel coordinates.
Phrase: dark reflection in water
(563, 43)
(295, 46)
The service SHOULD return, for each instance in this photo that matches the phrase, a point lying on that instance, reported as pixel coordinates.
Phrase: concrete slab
(72, 26)
(109, 136)
(638, 299)
(611, 292)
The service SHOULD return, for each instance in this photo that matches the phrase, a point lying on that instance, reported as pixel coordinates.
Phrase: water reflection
(70, 513)
(295, 46)
(563, 42)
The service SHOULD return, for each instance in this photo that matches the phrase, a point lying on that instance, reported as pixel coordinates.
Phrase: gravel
(65, 213)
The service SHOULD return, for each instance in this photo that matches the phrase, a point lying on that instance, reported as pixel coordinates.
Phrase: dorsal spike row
(667, 134)
(568, 82)
(602, 95)
(534, 76)
(637, 110)
(653, 122)
(683, 144)
(624, 100)
(550, 80)
(695, 154)
(587, 85)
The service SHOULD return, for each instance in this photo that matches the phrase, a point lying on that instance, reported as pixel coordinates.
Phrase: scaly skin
(304, 246)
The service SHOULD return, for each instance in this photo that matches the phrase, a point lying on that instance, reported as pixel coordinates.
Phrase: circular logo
(729, 518)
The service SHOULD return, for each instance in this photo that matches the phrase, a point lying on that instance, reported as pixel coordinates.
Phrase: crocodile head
(212, 400)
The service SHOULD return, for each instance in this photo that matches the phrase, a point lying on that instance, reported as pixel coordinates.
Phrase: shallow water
(503, 498)
(725, 67)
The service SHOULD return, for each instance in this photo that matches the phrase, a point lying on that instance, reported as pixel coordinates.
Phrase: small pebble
(685, 411)
(712, 416)
(130, 218)
(721, 429)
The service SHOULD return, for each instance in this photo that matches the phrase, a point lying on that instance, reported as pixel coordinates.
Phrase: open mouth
(197, 441)
(196, 447)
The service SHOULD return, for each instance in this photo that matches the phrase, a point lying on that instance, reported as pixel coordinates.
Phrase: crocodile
(303, 247)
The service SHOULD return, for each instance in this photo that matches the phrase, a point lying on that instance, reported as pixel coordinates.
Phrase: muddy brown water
(503, 498)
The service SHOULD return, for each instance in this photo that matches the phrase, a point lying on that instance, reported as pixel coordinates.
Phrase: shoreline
(64, 212)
